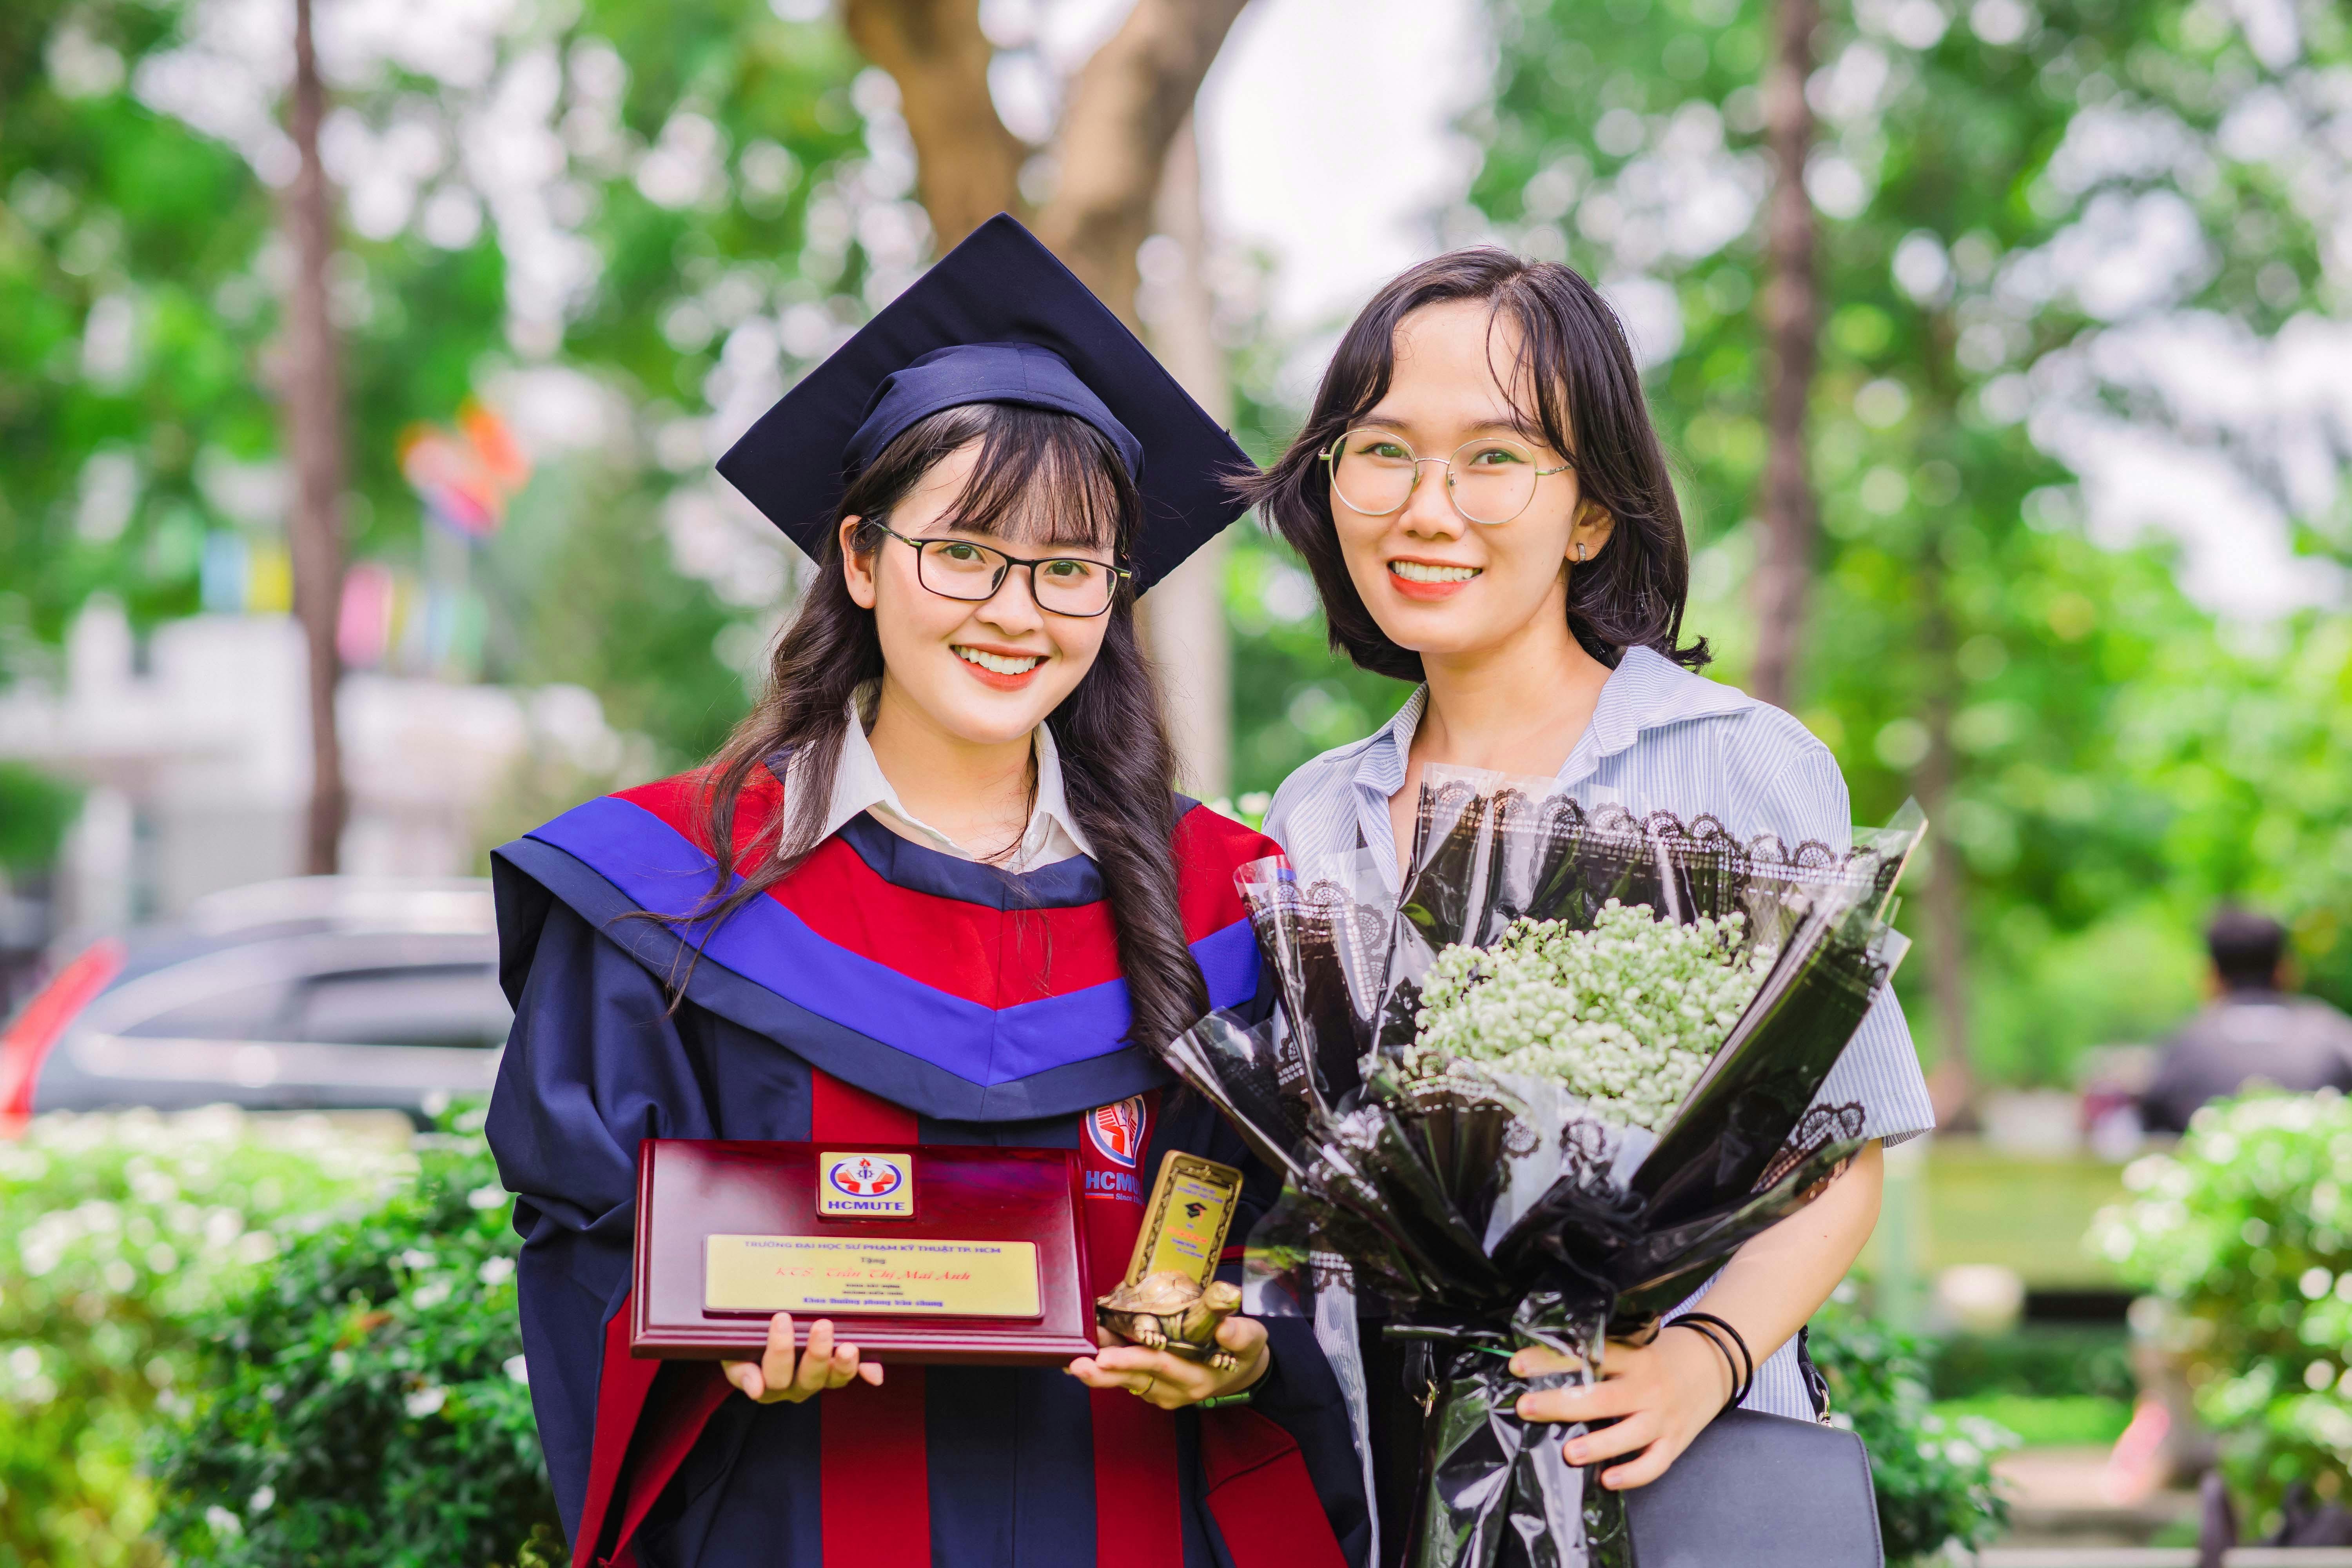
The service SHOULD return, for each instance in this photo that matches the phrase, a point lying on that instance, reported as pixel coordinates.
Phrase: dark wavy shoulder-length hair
(1575, 380)
(1038, 476)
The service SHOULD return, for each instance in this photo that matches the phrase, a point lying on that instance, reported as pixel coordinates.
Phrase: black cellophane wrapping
(1493, 1213)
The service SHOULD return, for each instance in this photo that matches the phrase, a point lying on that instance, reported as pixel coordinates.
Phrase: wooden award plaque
(938, 1253)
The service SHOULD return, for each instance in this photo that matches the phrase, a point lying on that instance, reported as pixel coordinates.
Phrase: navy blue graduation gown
(883, 991)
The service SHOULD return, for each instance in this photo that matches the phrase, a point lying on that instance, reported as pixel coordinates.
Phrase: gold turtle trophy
(1171, 1300)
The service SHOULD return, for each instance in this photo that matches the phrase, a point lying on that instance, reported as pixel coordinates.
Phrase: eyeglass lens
(959, 569)
(1491, 479)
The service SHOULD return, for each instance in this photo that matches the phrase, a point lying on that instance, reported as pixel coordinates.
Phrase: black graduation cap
(997, 319)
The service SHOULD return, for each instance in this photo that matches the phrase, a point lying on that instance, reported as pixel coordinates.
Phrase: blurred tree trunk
(1112, 145)
(968, 165)
(310, 385)
(1791, 312)
(1184, 620)
(1952, 1085)
(1112, 154)
(1109, 150)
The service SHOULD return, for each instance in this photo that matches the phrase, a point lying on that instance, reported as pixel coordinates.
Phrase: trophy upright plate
(930, 1254)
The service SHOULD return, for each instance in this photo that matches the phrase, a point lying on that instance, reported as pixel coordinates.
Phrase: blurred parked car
(315, 993)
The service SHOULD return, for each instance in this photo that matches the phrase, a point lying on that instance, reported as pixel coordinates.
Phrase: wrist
(1254, 1374)
(1707, 1360)
(1244, 1385)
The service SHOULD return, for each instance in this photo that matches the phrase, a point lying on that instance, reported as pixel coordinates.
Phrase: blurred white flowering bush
(2246, 1231)
(1626, 1015)
(116, 1232)
(364, 1403)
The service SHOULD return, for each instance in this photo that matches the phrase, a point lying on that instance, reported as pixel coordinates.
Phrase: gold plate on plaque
(908, 1275)
(1184, 1224)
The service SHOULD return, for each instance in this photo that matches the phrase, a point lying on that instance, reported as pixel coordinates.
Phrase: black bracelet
(1743, 1375)
(1737, 1338)
(1730, 1363)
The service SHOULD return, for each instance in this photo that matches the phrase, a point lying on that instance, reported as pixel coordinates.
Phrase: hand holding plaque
(783, 1376)
(933, 1254)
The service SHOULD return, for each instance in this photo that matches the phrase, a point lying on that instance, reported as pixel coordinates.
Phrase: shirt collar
(1646, 691)
(1381, 755)
(860, 785)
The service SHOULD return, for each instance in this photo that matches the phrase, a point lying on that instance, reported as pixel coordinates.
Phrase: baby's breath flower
(1626, 1015)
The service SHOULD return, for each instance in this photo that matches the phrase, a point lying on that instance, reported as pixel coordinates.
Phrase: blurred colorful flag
(465, 477)
(363, 631)
(394, 622)
(243, 576)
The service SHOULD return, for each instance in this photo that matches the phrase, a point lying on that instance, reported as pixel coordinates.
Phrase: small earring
(1580, 553)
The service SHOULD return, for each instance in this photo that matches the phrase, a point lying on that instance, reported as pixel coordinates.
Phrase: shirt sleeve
(1803, 798)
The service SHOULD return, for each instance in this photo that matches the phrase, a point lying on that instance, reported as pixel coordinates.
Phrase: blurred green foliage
(2045, 1420)
(115, 1233)
(1933, 1474)
(366, 1402)
(141, 283)
(122, 235)
(1293, 697)
(583, 554)
(2049, 1361)
(2246, 1232)
(34, 812)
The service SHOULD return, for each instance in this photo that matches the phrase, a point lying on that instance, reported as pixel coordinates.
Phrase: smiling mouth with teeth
(1421, 572)
(998, 664)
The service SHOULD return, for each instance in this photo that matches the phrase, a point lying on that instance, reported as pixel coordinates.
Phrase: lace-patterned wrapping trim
(1329, 1271)
(1323, 900)
(1820, 1127)
(1704, 835)
(1587, 1150)
(1305, 922)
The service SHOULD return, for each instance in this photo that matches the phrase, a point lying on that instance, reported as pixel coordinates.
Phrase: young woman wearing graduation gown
(959, 905)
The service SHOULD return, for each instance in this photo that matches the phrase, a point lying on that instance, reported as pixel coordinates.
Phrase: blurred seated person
(2254, 1031)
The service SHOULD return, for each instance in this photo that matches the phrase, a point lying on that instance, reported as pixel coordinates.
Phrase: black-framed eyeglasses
(960, 568)
(1490, 479)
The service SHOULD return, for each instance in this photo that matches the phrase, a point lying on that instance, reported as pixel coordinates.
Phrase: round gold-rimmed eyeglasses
(1490, 479)
(960, 568)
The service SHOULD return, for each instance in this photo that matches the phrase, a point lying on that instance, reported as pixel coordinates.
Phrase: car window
(452, 1005)
(252, 1012)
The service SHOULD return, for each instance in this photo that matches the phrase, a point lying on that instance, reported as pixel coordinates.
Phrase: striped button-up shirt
(1661, 739)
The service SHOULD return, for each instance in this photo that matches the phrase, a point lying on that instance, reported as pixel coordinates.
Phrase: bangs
(1538, 375)
(1042, 479)
(1533, 375)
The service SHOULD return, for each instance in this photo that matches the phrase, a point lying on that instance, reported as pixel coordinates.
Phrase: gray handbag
(1760, 1491)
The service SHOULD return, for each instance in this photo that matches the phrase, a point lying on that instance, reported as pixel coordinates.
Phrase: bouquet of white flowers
(1538, 1098)
(1624, 1015)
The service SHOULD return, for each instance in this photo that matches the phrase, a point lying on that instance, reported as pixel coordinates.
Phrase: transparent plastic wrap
(1492, 1210)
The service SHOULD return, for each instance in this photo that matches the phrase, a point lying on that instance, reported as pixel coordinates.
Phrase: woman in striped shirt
(1486, 511)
